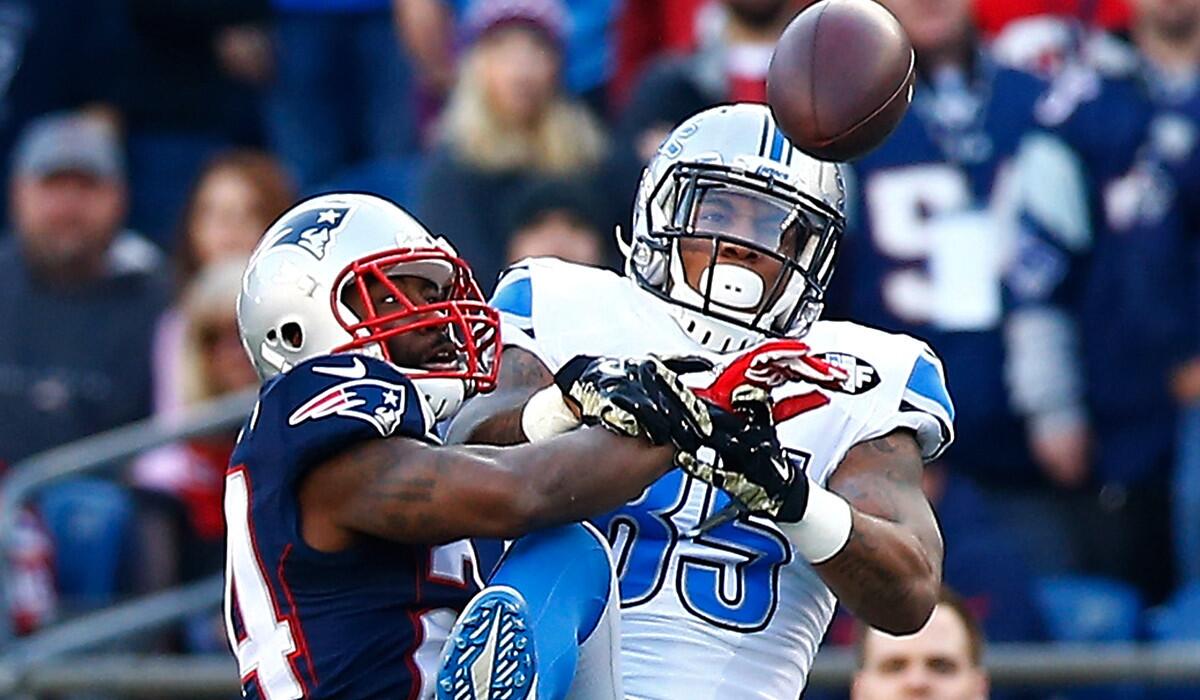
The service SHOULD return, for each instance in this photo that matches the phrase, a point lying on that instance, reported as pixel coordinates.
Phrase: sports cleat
(489, 654)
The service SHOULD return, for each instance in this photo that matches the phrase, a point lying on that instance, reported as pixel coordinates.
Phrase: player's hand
(754, 469)
(635, 397)
(1062, 451)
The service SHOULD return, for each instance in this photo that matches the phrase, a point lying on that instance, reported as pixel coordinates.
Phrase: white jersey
(734, 613)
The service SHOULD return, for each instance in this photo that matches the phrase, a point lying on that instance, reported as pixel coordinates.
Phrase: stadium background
(191, 123)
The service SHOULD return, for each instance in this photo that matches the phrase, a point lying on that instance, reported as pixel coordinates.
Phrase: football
(841, 78)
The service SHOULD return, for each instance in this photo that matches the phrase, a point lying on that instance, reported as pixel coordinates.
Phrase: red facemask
(472, 325)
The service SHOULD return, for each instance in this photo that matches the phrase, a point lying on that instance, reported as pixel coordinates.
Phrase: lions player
(346, 560)
(734, 239)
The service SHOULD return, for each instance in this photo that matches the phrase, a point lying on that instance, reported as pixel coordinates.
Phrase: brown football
(841, 78)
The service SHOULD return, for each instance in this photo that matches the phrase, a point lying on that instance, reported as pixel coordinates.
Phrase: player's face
(933, 25)
(427, 348)
(225, 220)
(66, 218)
(519, 74)
(933, 664)
(738, 215)
(1173, 19)
(225, 365)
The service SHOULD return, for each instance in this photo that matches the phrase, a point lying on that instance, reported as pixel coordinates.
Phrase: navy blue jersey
(925, 256)
(365, 622)
(1140, 139)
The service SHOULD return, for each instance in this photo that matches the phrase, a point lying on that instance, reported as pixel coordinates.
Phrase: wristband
(546, 414)
(825, 527)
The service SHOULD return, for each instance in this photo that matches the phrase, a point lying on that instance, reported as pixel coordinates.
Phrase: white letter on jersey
(268, 643)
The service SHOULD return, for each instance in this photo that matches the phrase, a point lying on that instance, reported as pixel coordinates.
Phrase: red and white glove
(772, 365)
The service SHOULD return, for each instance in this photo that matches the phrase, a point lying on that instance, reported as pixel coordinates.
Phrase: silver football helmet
(316, 255)
(736, 228)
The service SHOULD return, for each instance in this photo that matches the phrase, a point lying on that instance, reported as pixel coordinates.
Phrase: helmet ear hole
(272, 336)
(292, 334)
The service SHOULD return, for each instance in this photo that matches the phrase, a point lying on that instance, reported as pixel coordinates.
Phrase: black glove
(754, 469)
(635, 397)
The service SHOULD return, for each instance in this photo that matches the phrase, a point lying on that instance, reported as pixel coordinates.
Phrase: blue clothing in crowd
(922, 256)
(74, 362)
(331, 6)
(1137, 288)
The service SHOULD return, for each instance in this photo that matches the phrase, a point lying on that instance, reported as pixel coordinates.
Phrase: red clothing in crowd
(992, 15)
(646, 28)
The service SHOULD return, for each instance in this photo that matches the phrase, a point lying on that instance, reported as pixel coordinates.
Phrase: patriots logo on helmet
(313, 230)
(374, 401)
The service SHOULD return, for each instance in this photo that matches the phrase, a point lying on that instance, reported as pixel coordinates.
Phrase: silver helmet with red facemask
(736, 228)
(330, 254)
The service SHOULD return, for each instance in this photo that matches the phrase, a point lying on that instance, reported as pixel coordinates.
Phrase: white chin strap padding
(733, 286)
(443, 396)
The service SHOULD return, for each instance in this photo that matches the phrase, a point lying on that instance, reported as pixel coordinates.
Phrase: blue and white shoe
(489, 654)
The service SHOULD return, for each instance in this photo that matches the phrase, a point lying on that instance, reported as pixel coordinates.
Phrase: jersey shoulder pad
(902, 377)
(535, 293)
(328, 403)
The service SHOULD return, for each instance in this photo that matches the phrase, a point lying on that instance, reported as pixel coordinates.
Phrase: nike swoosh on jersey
(356, 371)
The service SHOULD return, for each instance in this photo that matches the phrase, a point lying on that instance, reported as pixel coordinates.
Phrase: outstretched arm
(407, 491)
(890, 570)
(495, 418)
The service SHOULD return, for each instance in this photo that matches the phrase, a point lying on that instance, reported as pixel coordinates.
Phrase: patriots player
(346, 519)
(734, 239)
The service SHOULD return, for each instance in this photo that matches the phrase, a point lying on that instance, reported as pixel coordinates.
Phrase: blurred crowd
(1032, 218)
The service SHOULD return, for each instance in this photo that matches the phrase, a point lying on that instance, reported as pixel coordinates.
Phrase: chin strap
(713, 334)
(442, 396)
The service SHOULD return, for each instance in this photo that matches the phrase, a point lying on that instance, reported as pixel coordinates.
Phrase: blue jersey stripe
(926, 381)
(515, 297)
(777, 146)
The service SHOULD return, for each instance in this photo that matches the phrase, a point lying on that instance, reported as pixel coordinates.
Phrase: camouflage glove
(753, 468)
(635, 397)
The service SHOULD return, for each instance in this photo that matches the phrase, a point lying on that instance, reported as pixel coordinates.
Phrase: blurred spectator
(186, 540)
(234, 199)
(194, 74)
(1138, 132)
(983, 563)
(556, 218)
(343, 87)
(78, 299)
(507, 123)
(587, 40)
(646, 29)
(55, 56)
(944, 661)
(1168, 36)
(427, 27)
(928, 254)
(730, 65)
(31, 590)
(78, 294)
(995, 15)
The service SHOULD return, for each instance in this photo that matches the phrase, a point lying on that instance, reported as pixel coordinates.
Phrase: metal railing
(215, 676)
(98, 454)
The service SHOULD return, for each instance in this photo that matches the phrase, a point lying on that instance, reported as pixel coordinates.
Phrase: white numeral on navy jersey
(454, 564)
(952, 252)
(268, 645)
